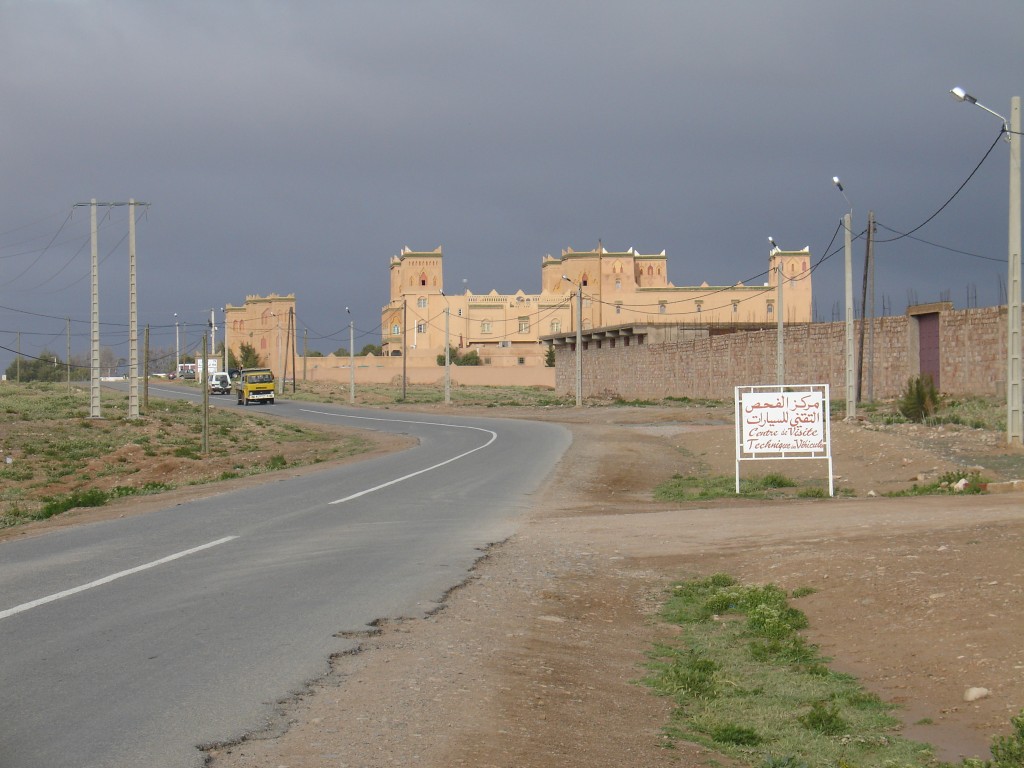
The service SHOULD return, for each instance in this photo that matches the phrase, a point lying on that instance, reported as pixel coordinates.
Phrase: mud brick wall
(972, 346)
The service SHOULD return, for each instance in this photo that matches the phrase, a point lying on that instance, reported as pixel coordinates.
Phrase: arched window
(650, 271)
(556, 326)
(584, 280)
(423, 278)
(396, 329)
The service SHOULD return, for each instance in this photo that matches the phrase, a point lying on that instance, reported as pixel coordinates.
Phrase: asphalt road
(133, 642)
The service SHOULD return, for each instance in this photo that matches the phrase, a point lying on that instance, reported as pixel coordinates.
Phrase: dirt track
(533, 661)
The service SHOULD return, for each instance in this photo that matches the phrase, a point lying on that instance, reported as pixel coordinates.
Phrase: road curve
(135, 641)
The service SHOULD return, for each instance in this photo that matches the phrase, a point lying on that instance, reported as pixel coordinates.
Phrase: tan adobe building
(267, 323)
(617, 288)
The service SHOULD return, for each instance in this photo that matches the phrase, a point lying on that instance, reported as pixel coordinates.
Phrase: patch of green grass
(702, 487)
(812, 493)
(277, 461)
(92, 497)
(824, 717)
(746, 684)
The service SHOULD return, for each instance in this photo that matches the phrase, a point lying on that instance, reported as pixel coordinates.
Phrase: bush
(920, 399)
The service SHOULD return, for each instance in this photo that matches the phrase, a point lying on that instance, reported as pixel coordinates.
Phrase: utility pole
(351, 358)
(291, 341)
(67, 322)
(94, 363)
(206, 402)
(224, 316)
(133, 320)
(780, 353)
(864, 309)
(579, 346)
(447, 356)
(145, 368)
(213, 334)
(305, 350)
(871, 305)
(851, 390)
(94, 318)
(405, 339)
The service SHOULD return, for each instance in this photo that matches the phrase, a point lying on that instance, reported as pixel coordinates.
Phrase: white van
(220, 384)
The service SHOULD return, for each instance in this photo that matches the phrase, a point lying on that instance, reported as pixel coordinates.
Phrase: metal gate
(928, 338)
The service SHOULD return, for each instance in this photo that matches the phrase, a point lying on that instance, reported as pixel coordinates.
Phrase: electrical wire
(951, 197)
(937, 245)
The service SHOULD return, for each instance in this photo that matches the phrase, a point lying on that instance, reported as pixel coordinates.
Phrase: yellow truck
(255, 385)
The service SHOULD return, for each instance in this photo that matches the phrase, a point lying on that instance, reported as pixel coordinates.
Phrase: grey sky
(296, 146)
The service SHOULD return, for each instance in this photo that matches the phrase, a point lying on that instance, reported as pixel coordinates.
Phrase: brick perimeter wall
(972, 349)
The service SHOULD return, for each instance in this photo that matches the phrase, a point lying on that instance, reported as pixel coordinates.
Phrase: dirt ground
(533, 661)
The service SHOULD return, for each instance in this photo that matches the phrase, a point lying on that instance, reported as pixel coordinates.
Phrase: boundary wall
(971, 357)
(386, 370)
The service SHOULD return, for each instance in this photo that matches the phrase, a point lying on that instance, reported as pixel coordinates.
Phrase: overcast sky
(294, 147)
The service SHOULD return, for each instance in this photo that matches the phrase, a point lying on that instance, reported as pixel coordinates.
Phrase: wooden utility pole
(291, 340)
(206, 401)
(864, 306)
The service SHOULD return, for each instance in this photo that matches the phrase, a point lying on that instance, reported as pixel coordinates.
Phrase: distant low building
(617, 287)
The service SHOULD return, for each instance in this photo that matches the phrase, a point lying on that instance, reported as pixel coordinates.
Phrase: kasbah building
(513, 332)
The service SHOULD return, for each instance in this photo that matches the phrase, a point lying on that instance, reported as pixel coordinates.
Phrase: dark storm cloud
(295, 146)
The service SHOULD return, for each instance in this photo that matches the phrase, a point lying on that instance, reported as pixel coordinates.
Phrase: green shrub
(1008, 751)
(93, 497)
(824, 718)
(920, 399)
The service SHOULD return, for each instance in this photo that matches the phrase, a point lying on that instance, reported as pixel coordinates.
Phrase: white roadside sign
(783, 422)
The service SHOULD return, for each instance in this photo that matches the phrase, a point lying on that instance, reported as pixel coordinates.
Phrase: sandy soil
(533, 660)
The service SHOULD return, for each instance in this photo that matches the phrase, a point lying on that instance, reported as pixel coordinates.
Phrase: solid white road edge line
(110, 578)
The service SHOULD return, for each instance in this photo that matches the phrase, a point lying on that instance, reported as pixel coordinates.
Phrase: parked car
(220, 384)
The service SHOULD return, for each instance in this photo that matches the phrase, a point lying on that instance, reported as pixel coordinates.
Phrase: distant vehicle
(255, 385)
(220, 384)
(189, 373)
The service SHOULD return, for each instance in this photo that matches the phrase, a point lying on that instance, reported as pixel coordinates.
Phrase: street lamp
(851, 392)
(1014, 394)
(780, 361)
(579, 341)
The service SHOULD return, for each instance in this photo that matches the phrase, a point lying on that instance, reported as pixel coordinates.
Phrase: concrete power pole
(94, 318)
(145, 368)
(133, 320)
